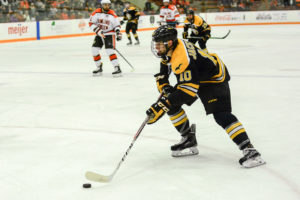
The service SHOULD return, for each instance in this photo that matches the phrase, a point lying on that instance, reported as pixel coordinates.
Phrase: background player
(131, 14)
(105, 23)
(199, 29)
(169, 14)
(198, 74)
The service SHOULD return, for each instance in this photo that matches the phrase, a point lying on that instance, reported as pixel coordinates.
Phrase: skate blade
(117, 75)
(190, 152)
(253, 162)
(97, 74)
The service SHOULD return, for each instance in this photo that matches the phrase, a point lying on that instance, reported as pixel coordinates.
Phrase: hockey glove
(161, 81)
(184, 35)
(157, 110)
(99, 32)
(119, 35)
(121, 22)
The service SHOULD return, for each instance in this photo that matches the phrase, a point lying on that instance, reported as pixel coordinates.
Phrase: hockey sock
(97, 60)
(96, 56)
(129, 37)
(136, 37)
(234, 128)
(180, 121)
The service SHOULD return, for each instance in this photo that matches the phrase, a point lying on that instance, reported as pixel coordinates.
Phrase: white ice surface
(57, 121)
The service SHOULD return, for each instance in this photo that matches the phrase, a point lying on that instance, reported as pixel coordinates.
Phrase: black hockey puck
(87, 185)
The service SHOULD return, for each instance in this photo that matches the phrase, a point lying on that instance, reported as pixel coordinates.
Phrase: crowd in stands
(182, 6)
(253, 5)
(36, 10)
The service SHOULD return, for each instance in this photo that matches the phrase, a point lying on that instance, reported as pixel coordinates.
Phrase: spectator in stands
(2, 17)
(148, 7)
(32, 12)
(72, 14)
(24, 5)
(64, 14)
(273, 5)
(286, 3)
(12, 17)
(40, 7)
(26, 16)
(52, 12)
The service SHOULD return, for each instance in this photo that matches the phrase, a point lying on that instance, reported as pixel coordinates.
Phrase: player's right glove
(121, 22)
(184, 35)
(157, 110)
(99, 32)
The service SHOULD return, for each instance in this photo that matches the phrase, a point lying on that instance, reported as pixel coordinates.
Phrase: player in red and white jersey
(105, 23)
(169, 14)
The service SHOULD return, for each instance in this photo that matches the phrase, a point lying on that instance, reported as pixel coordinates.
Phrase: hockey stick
(92, 176)
(125, 59)
(225, 36)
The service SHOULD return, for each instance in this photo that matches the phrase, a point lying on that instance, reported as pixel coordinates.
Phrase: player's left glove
(121, 22)
(119, 35)
(157, 110)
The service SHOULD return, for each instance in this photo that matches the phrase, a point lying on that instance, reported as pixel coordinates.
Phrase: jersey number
(185, 76)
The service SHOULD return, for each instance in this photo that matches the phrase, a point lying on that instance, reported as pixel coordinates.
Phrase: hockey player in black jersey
(131, 15)
(198, 74)
(200, 30)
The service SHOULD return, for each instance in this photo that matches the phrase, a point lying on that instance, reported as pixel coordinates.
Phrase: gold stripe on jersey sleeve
(160, 87)
(189, 92)
(193, 85)
(165, 62)
(180, 58)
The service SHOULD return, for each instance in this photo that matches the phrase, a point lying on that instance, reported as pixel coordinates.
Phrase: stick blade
(227, 34)
(92, 176)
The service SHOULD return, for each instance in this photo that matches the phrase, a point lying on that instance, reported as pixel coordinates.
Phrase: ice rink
(57, 121)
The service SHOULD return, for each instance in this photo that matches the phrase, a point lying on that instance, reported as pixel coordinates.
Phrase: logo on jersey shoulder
(178, 67)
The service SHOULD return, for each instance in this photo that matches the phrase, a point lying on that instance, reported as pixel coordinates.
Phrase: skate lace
(249, 152)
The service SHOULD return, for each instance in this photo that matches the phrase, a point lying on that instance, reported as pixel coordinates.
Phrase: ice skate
(129, 43)
(251, 158)
(98, 71)
(187, 146)
(117, 72)
(137, 43)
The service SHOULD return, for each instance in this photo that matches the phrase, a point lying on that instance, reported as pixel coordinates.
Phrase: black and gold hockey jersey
(198, 26)
(193, 68)
(131, 14)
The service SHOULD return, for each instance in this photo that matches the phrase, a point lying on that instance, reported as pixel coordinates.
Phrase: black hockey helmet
(190, 12)
(164, 33)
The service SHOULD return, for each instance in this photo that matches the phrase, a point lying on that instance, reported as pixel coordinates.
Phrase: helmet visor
(159, 49)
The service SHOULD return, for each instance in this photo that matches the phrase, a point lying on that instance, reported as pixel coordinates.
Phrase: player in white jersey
(105, 23)
(169, 14)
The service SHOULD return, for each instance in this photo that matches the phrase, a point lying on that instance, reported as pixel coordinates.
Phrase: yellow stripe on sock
(237, 133)
(177, 116)
(181, 121)
(233, 126)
